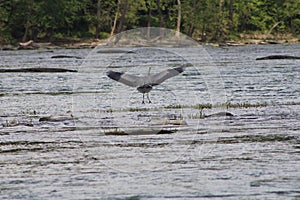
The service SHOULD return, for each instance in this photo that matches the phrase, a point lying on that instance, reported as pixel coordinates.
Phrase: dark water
(52, 126)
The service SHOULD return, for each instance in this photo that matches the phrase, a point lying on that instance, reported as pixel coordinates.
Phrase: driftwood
(30, 45)
(36, 70)
(273, 57)
(30, 42)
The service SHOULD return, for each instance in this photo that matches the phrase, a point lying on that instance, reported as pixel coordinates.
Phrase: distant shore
(78, 43)
(56, 44)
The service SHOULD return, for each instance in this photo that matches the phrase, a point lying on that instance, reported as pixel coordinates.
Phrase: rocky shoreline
(92, 43)
(65, 44)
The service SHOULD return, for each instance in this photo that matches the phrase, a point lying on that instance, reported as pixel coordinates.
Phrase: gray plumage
(144, 84)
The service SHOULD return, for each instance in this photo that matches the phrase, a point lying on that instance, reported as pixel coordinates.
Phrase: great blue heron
(144, 84)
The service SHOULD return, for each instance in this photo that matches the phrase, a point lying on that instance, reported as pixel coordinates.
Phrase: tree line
(205, 20)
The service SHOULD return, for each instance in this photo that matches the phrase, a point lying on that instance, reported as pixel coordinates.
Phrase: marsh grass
(246, 105)
(138, 109)
(201, 107)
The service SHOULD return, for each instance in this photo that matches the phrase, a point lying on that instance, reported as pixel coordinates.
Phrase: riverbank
(57, 44)
(78, 43)
(263, 39)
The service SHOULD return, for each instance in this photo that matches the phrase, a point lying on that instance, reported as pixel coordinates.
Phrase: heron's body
(144, 88)
(144, 84)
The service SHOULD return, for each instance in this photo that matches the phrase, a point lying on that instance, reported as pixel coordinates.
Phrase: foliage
(206, 20)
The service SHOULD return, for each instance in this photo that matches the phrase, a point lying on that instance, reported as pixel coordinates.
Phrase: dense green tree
(205, 20)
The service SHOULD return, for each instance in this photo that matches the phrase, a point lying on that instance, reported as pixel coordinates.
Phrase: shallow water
(254, 154)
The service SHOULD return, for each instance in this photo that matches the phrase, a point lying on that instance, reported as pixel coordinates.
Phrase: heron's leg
(143, 98)
(148, 98)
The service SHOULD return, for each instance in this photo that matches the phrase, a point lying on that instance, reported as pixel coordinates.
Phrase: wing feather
(160, 77)
(127, 79)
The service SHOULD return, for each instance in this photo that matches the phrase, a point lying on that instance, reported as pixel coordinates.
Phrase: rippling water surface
(53, 126)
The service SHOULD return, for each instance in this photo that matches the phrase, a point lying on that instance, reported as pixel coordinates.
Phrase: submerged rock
(273, 57)
(140, 131)
(115, 133)
(177, 122)
(220, 114)
(36, 70)
(56, 118)
(17, 123)
(66, 56)
(114, 51)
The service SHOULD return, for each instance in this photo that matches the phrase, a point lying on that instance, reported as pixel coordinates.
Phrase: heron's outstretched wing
(124, 78)
(164, 75)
